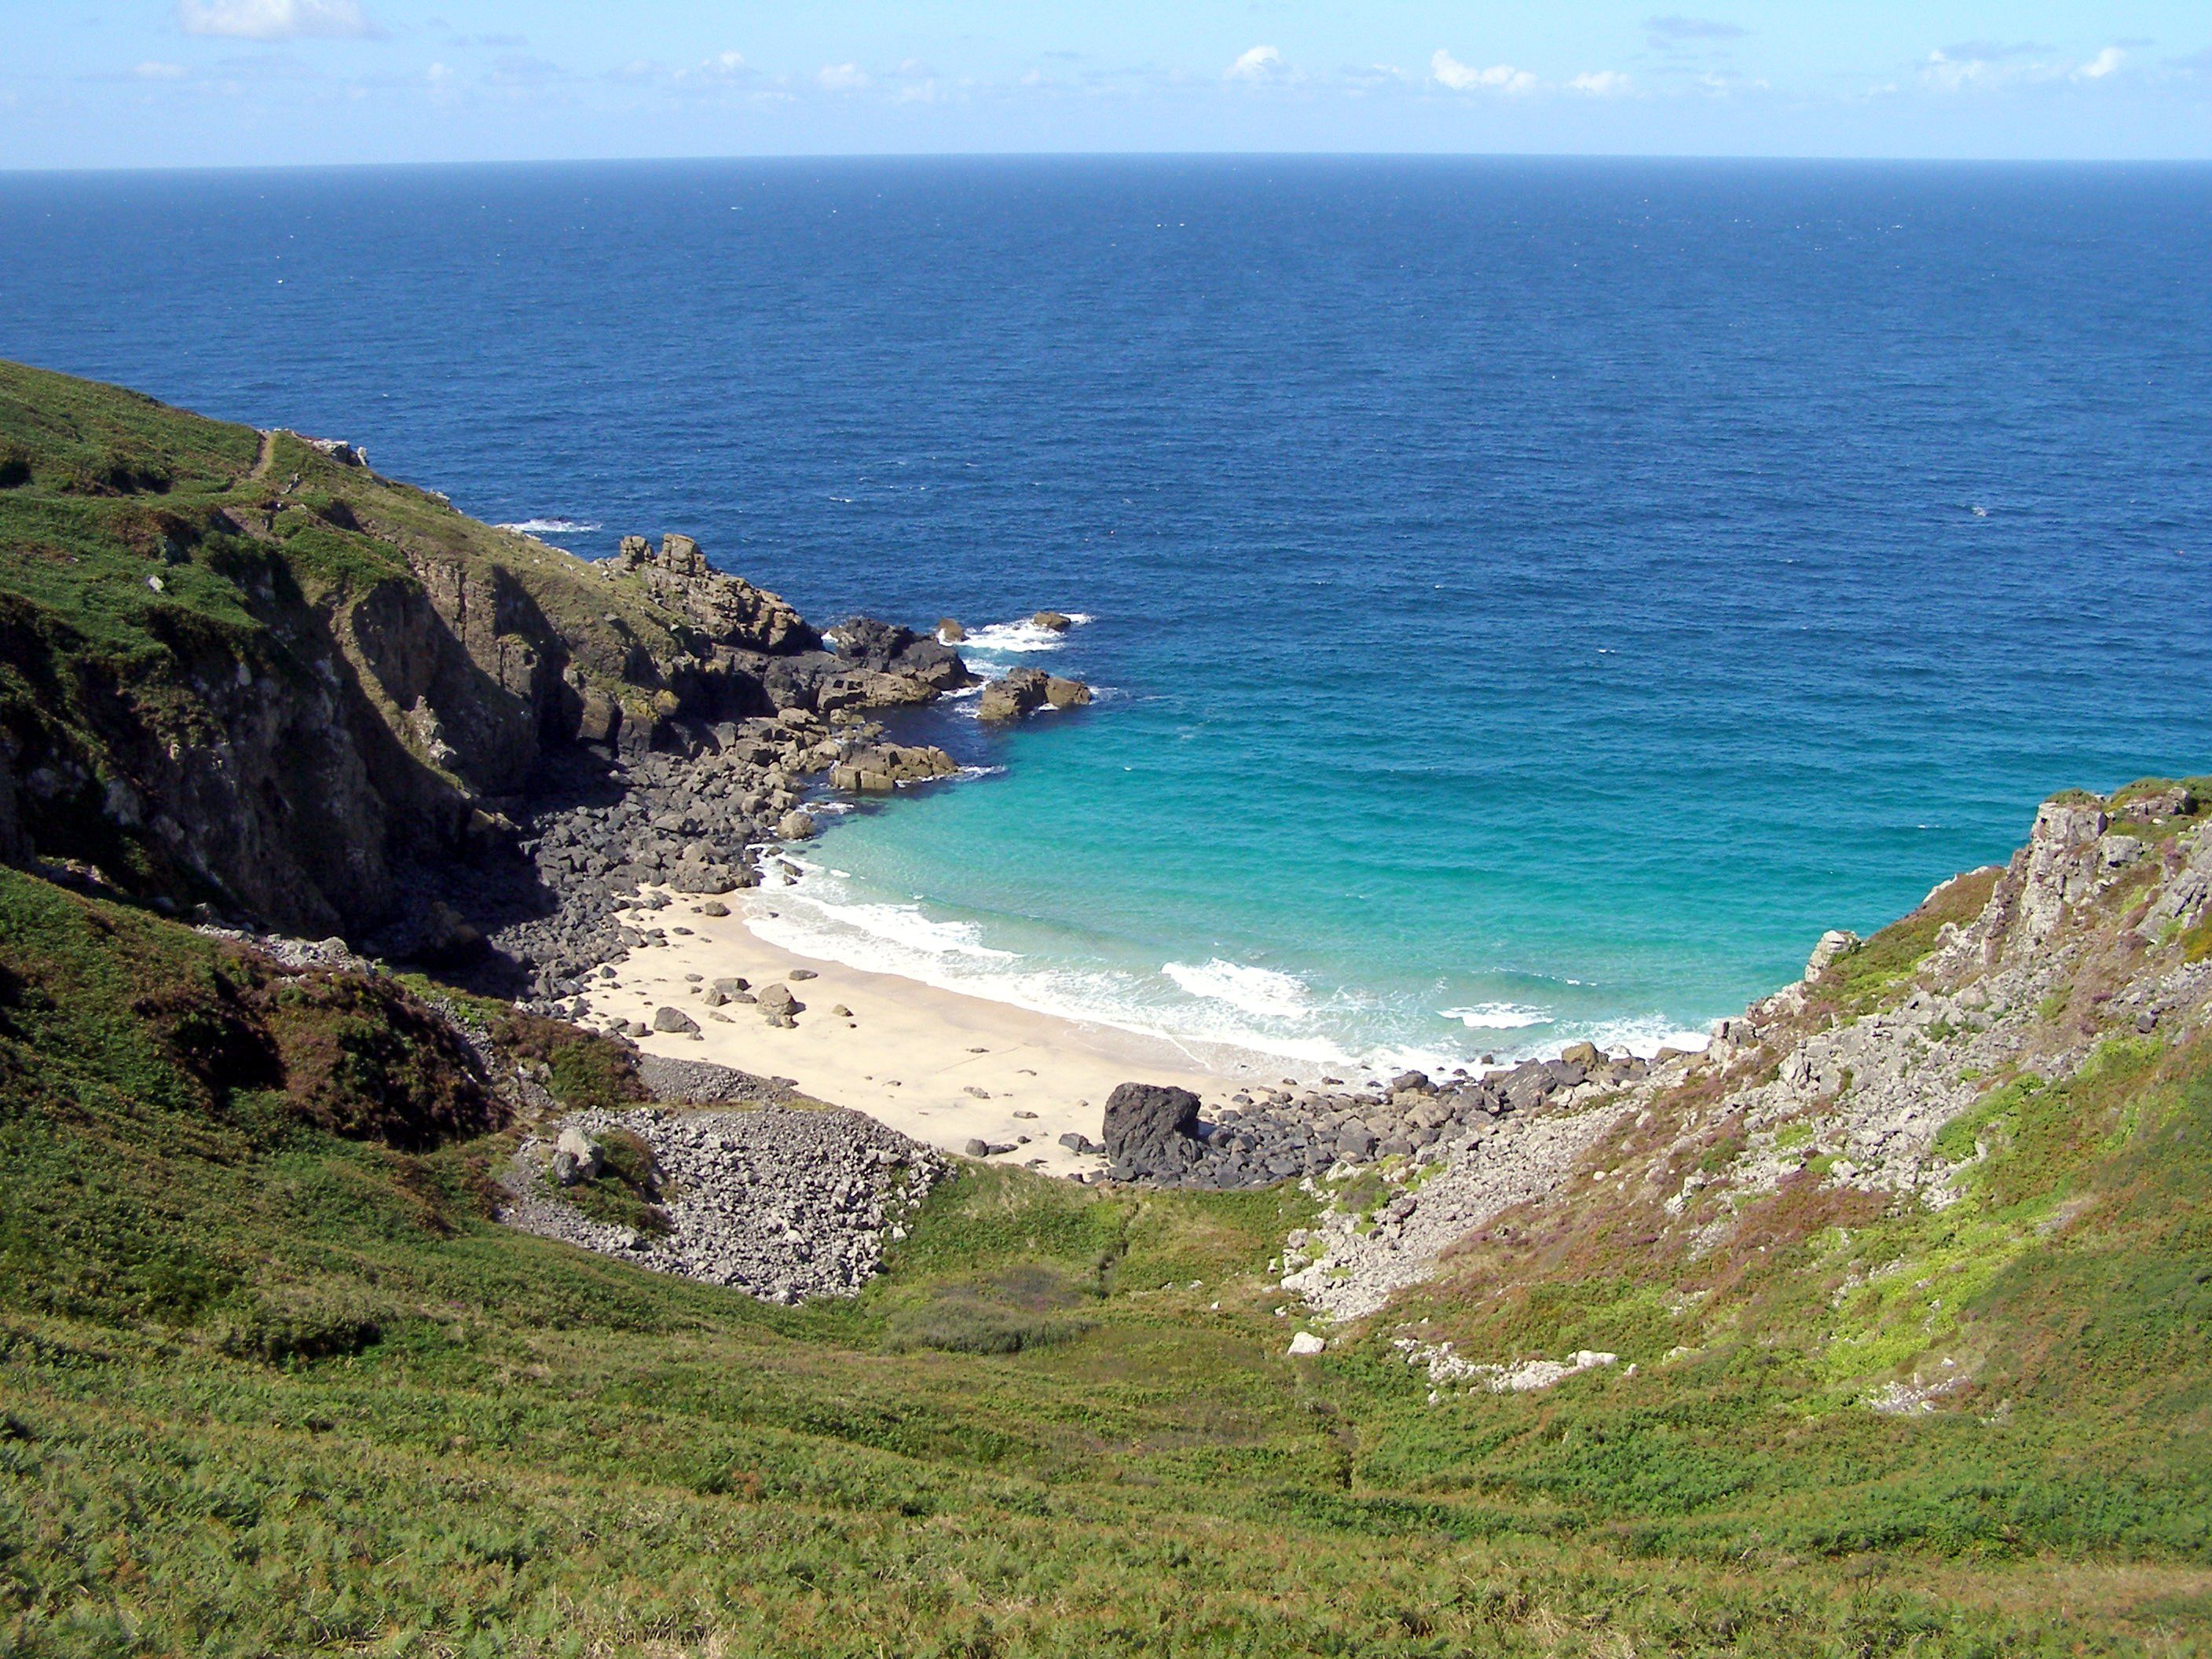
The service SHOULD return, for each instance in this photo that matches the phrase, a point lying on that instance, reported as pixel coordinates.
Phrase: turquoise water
(1536, 598)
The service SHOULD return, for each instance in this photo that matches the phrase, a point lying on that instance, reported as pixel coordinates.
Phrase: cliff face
(243, 668)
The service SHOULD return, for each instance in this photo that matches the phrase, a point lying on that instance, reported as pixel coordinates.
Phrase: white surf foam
(1021, 636)
(1260, 991)
(1498, 1015)
(1224, 1016)
(550, 527)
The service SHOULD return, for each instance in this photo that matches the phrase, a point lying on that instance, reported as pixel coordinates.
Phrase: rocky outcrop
(730, 612)
(881, 767)
(1023, 690)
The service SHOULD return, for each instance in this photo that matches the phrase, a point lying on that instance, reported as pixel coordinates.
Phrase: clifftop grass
(273, 1388)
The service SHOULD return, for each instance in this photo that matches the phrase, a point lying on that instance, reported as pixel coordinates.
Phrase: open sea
(1531, 599)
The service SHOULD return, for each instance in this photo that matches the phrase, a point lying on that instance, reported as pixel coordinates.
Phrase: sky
(257, 82)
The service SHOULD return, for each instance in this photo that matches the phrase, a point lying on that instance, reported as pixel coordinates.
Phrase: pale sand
(910, 1051)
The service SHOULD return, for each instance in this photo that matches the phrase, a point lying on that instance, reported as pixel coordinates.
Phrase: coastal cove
(1502, 641)
(1151, 1092)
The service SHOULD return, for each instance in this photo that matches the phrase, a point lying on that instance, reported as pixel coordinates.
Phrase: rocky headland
(245, 677)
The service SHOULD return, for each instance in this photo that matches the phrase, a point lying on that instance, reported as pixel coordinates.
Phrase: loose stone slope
(784, 1203)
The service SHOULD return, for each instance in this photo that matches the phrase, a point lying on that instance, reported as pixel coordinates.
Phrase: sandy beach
(936, 1065)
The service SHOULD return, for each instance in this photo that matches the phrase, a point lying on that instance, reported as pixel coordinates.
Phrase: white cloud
(1952, 73)
(1448, 71)
(1260, 63)
(2101, 65)
(151, 72)
(272, 20)
(842, 77)
(1604, 83)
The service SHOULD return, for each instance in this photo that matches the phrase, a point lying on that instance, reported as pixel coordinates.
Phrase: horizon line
(1747, 158)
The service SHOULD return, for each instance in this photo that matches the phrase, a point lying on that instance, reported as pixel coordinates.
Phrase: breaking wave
(550, 527)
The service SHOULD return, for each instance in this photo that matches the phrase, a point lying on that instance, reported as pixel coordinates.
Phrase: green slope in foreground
(269, 1382)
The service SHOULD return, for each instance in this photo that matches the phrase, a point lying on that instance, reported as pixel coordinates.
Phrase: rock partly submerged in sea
(1025, 691)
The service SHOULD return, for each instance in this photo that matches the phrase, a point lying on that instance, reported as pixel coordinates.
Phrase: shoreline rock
(1022, 691)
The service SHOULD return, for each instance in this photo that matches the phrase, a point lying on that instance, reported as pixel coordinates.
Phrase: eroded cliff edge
(242, 670)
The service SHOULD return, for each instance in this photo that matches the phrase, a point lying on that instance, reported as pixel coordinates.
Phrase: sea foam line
(1224, 1015)
(550, 527)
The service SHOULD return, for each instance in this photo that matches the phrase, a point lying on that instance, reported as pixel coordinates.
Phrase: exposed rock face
(1053, 622)
(1144, 1120)
(1011, 695)
(730, 611)
(2028, 970)
(1835, 942)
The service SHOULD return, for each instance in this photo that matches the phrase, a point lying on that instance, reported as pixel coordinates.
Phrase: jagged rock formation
(2099, 927)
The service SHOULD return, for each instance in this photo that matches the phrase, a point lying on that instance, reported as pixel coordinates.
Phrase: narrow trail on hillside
(261, 461)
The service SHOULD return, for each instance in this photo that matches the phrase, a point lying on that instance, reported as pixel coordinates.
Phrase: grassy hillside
(240, 668)
(271, 1384)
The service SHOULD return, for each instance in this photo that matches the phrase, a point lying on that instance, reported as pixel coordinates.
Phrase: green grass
(270, 1383)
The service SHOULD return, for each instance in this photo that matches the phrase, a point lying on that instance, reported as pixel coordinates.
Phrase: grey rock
(674, 1021)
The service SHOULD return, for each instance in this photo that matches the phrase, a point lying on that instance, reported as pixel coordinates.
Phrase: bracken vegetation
(274, 1384)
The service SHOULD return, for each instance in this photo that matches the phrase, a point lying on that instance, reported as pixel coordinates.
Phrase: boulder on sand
(1147, 1118)
(675, 1021)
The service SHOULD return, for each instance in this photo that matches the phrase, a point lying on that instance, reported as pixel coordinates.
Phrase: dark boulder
(1148, 1121)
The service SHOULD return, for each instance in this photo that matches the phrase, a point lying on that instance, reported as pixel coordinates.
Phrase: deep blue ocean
(1535, 597)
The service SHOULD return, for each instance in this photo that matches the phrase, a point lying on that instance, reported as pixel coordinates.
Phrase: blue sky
(196, 82)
